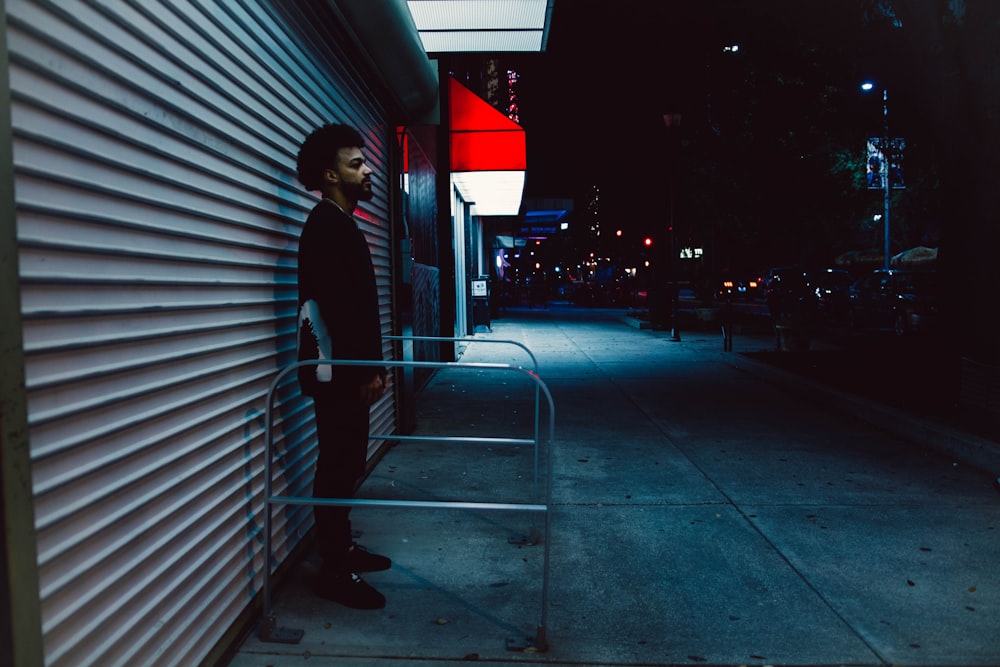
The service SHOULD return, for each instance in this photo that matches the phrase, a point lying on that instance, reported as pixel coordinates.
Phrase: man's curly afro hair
(319, 151)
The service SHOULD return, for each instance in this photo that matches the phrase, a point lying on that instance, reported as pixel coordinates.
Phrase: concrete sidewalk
(701, 515)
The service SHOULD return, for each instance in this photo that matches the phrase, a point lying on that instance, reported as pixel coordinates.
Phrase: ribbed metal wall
(158, 217)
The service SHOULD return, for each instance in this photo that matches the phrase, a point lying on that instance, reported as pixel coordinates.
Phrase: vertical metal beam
(398, 235)
(445, 235)
(886, 179)
(20, 608)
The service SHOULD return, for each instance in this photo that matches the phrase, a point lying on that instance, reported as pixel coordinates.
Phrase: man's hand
(375, 389)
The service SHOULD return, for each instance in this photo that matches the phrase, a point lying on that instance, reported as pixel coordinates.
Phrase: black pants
(342, 425)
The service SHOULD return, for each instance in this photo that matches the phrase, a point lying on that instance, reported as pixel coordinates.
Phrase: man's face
(353, 175)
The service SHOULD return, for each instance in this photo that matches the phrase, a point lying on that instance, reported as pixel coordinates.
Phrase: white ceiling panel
(480, 14)
(473, 41)
(481, 25)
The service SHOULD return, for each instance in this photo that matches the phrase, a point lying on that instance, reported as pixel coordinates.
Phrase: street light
(672, 122)
(884, 167)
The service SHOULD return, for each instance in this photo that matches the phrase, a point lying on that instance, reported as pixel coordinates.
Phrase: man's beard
(358, 191)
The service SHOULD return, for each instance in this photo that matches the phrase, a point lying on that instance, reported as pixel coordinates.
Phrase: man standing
(339, 319)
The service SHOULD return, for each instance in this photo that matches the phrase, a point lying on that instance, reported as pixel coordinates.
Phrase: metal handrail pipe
(419, 504)
(269, 621)
(494, 341)
(445, 438)
(442, 339)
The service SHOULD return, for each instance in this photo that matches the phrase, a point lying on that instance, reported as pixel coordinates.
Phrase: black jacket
(338, 298)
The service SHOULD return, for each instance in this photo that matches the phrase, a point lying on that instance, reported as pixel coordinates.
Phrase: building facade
(150, 227)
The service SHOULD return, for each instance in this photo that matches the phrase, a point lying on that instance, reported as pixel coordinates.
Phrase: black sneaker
(360, 559)
(351, 591)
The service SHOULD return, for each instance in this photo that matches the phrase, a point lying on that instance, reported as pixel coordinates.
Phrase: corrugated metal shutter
(158, 217)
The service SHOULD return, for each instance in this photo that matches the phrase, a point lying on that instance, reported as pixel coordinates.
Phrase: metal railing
(491, 341)
(269, 629)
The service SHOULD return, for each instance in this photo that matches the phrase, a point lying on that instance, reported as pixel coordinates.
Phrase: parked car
(820, 295)
(828, 294)
(739, 287)
(784, 288)
(905, 302)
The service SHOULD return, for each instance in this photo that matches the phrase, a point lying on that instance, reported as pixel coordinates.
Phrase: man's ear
(330, 175)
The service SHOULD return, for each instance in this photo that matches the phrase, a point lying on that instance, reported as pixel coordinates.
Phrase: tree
(952, 56)
(773, 170)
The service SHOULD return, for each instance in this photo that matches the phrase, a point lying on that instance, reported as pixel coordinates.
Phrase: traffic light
(648, 241)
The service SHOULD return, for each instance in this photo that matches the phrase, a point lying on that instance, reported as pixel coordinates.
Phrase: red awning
(488, 156)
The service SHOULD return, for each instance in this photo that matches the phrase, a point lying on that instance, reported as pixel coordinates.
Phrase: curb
(635, 322)
(968, 448)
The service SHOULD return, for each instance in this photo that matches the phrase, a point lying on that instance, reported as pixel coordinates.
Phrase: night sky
(593, 104)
